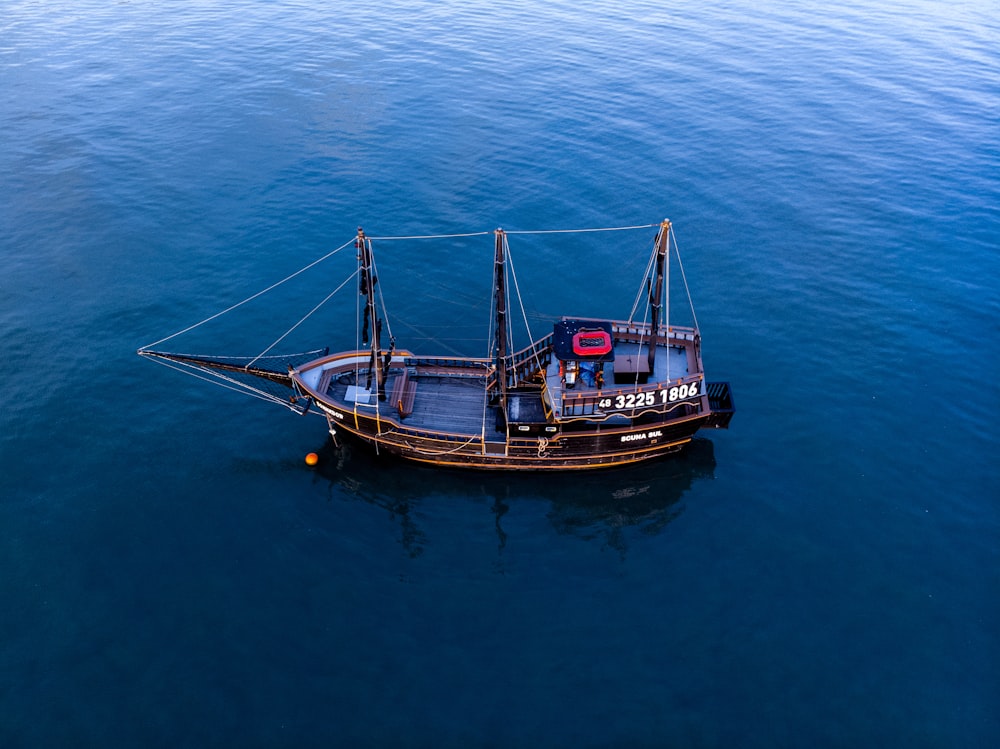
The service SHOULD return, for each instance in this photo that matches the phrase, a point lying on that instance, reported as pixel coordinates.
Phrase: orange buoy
(312, 459)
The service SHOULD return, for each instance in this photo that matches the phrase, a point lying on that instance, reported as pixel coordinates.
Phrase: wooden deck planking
(443, 404)
(450, 405)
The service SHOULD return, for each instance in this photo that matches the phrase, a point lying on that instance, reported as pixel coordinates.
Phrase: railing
(641, 332)
(477, 367)
(660, 397)
(526, 362)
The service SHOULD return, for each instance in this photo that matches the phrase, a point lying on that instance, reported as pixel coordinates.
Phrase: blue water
(826, 573)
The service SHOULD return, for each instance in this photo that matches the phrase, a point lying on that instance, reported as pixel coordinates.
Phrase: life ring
(591, 342)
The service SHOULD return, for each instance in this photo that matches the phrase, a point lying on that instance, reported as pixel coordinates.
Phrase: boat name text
(641, 436)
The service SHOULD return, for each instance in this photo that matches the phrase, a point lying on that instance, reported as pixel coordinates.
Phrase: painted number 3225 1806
(644, 400)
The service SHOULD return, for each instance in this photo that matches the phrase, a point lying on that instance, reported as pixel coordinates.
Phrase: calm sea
(826, 573)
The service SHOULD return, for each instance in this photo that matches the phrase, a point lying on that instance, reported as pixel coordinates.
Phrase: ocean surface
(826, 573)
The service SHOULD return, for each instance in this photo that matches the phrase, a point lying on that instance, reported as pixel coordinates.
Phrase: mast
(366, 287)
(500, 304)
(656, 290)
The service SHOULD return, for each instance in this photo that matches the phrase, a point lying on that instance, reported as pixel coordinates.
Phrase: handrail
(526, 362)
(589, 402)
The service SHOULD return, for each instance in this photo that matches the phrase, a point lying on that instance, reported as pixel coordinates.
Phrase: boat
(591, 393)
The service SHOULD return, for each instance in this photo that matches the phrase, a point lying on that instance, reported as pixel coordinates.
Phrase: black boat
(592, 393)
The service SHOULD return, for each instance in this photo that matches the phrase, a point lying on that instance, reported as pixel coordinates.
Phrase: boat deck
(671, 363)
(454, 405)
(451, 399)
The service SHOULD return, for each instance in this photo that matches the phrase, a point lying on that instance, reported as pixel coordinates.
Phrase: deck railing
(640, 332)
(529, 360)
(661, 397)
(476, 367)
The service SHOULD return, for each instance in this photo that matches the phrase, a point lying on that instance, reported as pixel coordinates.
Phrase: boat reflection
(601, 506)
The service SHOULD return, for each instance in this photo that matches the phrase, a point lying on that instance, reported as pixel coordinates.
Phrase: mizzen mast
(366, 287)
(656, 289)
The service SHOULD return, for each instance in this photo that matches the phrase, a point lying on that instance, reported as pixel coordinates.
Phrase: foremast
(378, 363)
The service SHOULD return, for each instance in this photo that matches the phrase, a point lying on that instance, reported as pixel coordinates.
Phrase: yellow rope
(445, 452)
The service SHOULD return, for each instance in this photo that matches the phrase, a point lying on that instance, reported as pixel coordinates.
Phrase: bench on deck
(403, 393)
(324, 381)
(630, 368)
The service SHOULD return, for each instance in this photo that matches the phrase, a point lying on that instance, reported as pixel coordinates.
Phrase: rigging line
(582, 231)
(680, 265)
(375, 366)
(223, 358)
(490, 348)
(357, 330)
(220, 380)
(308, 315)
(520, 301)
(251, 298)
(381, 299)
(509, 317)
(486, 398)
(445, 452)
(438, 341)
(642, 337)
(434, 236)
(666, 298)
(644, 283)
(524, 231)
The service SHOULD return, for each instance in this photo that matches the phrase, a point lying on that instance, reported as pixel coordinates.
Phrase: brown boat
(592, 393)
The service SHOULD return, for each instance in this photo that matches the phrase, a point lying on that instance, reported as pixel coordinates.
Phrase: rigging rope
(381, 299)
(523, 231)
(217, 378)
(582, 231)
(520, 301)
(644, 283)
(687, 291)
(251, 298)
(440, 342)
(642, 337)
(490, 348)
(307, 316)
(444, 452)
(224, 358)
(434, 236)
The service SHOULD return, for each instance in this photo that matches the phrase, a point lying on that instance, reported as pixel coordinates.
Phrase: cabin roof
(566, 330)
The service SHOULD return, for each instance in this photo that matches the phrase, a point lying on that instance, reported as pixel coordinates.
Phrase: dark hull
(570, 450)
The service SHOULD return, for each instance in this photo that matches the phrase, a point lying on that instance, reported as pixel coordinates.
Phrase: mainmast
(366, 287)
(500, 304)
(656, 289)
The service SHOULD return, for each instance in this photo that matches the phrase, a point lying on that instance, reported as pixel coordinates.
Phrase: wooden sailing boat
(592, 393)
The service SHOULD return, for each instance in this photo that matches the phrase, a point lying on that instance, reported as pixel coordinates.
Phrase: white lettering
(645, 399)
(641, 436)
